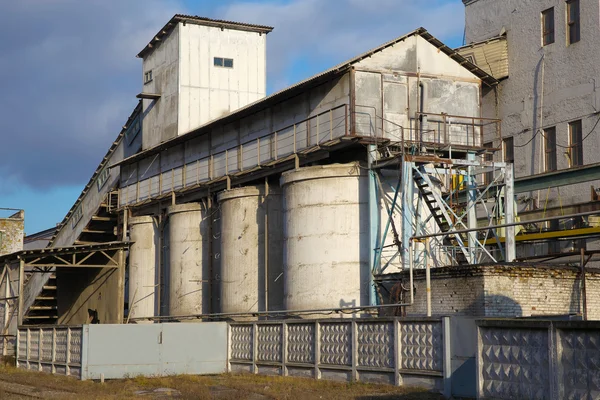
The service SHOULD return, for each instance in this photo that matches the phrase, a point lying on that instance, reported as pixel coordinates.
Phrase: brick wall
(505, 291)
(456, 291)
(11, 233)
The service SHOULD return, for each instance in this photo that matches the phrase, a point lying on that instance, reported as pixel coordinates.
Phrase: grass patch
(225, 387)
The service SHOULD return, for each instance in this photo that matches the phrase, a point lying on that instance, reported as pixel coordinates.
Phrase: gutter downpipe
(373, 224)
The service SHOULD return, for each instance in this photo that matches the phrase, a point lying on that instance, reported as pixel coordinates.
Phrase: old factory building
(411, 180)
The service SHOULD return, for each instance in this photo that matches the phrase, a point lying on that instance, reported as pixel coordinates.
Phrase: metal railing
(304, 136)
(300, 136)
(445, 129)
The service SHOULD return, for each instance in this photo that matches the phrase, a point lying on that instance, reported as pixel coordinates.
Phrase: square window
(575, 144)
(218, 61)
(550, 149)
(573, 22)
(228, 62)
(509, 149)
(548, 26)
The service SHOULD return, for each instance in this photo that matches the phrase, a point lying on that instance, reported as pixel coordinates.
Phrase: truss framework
(427, 197)
(26, 263)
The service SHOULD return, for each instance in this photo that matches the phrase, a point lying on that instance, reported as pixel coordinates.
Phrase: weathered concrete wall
(80, 289)
(11, 233)
(388, 94)
(160, 116)
(559, 79)
(280, 117)
(207, 91)
(506, 291)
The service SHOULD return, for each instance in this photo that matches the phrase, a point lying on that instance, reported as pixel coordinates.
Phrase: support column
(509, 211)
(472, 212)
(407, 210)
(374, 266)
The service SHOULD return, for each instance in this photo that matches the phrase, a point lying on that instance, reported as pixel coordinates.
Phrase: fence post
(447, 360)
(397, 354)
(83, 354)
(354, 346)
(53, 357)
(553, 360)
(284, 339)
(478, 364)
(254, 347)
(40, 344)
(317, 349)
(28, 348)
(228, 366)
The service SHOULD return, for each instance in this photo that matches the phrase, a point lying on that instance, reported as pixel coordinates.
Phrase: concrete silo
(188, 259)
(143, 257)
(326, 237)
(251, 268)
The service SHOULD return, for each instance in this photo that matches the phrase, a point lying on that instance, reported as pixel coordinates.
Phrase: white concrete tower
(197, 69)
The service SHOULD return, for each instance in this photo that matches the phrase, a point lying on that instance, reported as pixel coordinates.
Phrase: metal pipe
(584, 214)
(346, 310)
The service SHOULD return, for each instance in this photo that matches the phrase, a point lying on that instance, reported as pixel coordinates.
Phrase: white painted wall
(386, 84)
(160, 116)
(193, 90)
(564, 78)
(207, 91)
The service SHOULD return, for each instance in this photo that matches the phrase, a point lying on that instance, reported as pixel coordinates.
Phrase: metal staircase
(101, 228)
(436, 207)
(44, 310)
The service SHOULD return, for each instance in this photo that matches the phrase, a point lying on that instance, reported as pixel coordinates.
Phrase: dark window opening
(548, 26)
(575, 144)
(573, 22)
(550, 149)
(223, 62)
(489, 156)
(509, 149)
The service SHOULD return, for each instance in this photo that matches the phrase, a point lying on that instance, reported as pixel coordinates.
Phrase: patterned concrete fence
(53, 349)
(538, 359)
(395, 351)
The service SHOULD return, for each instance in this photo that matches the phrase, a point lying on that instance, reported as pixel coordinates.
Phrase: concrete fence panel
(538, 359)
(394, 351)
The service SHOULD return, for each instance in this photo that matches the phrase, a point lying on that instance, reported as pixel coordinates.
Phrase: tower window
(509, 149)
(548, 26)
(575, 144)
(550, 149)
(573, 23)
(223, 62)
(148, 76)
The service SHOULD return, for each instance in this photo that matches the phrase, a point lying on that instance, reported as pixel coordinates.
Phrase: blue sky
(71, 75)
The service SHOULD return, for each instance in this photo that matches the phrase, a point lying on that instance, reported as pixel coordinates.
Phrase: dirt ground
(18, 384)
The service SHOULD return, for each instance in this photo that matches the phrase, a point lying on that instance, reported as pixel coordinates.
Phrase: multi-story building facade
(544, 53)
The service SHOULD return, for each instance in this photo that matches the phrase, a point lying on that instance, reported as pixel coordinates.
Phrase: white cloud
(328, 32)
(72, 82)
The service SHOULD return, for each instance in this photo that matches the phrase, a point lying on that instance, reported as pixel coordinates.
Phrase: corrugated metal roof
(490, 55)
(194, 19)
(312, 81)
